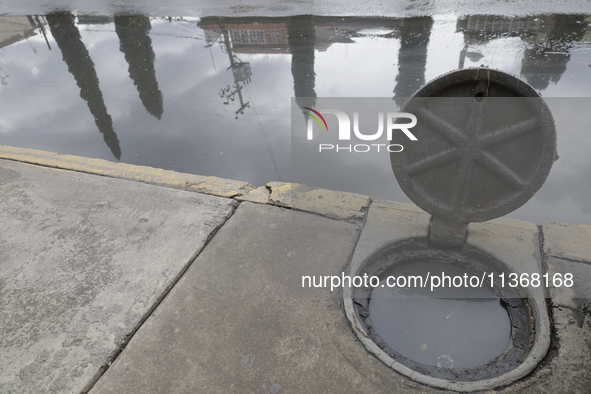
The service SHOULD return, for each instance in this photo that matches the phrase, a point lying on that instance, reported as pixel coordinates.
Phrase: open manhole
(485, 145)
(459, 333)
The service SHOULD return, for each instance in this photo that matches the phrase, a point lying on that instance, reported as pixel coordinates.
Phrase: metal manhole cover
(486, 143)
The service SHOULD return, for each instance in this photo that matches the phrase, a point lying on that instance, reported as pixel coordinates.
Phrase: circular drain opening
(440, 332)
(459, 334)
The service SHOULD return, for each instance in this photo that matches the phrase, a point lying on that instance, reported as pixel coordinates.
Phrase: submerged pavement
(111, 281)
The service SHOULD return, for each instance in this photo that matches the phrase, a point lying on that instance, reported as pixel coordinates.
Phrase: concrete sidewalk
(109, 284)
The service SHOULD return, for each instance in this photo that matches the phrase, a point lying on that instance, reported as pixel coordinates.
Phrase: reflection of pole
(80, 65)
(412, 57)
(463, 56)
(301, 40)
(233, 67)
(43, 31)
(136, 45)
(211, 56)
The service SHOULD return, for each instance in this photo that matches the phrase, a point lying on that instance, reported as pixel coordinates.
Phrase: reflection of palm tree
(301, 39)
(136, 45)
(412, 57)
(80, 65)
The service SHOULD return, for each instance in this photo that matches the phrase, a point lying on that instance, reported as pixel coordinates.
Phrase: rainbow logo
(315, 118)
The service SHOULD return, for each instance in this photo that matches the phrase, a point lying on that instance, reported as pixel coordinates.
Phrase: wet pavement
(130, 287)
(84, 260)
(212, 96)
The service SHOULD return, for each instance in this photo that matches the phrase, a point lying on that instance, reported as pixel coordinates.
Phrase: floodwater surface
(211, 96)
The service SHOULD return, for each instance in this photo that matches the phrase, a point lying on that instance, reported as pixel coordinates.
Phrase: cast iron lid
(485, 144)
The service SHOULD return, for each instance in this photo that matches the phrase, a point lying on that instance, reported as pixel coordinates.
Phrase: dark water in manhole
(445, 332)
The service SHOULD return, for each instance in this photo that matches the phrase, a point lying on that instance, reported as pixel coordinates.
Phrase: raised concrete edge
(203, 184)
(333, 204)
(325, 202)
(567, 241)
(560, 239)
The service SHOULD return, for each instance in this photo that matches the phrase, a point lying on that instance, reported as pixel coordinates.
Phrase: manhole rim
(470, 259)
(538, 351)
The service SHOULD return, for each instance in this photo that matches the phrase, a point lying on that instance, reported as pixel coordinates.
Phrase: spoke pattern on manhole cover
(476, 158)
(470, 147)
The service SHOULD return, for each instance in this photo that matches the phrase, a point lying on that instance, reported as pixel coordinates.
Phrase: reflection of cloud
(474, 56)
(573, 187)
(198, 133)
(565, 195)
(190, 136)
(6, 125)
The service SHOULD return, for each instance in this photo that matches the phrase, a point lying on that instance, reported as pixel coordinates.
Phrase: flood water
(446, 332)
(211, 96)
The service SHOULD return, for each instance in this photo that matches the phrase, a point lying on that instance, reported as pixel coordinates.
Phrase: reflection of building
(257, 38)
(270, 35)
(249, 35)
(15, 28)
(548, 38)
(479, 29)
(12, 30)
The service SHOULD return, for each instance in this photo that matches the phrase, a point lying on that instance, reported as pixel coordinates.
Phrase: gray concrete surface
(230, 324)
(567, 241)
(87, 262)
(83, 258)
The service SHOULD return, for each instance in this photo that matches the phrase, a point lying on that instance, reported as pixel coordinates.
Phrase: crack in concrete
(127, 338)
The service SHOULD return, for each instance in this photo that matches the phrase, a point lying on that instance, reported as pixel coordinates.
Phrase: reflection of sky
(42, 109)
(344, 71)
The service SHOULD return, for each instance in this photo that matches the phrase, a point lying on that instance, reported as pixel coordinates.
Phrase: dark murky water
(444, 332)
(212, 96)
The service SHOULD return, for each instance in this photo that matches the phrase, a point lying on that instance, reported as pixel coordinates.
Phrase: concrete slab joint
(83, 259)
